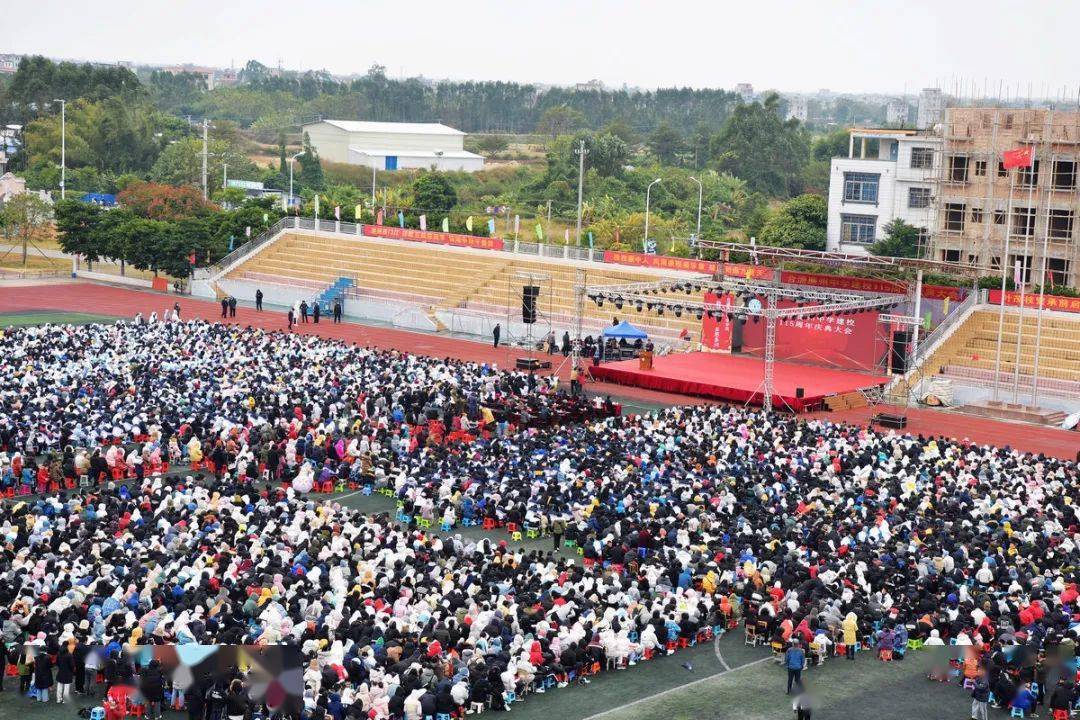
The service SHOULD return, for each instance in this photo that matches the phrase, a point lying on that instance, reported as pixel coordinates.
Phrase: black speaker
(529, 293)
(890, 420)
(898, 352)
(800, 393)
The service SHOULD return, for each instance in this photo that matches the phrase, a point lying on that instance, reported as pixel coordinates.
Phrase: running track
(123, 302)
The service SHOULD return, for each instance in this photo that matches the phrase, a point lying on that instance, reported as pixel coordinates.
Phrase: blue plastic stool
(97, 713)
(446, 527)
(1016, 712)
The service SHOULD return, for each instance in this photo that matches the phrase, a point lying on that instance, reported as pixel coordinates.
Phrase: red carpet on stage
(736, 378)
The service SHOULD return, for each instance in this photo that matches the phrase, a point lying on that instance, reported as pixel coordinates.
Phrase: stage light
(699, 313)
(757, 319)
(600, 301)
(618, 303)
(639, 305)
(660, 310)
(697, 288)
(678, 311)
(689, 288)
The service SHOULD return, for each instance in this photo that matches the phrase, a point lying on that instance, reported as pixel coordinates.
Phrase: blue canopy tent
(625, 330)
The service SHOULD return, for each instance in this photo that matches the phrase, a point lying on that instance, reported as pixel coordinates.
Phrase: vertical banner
(423, 222)
(468, 223)
(716, 331)
(517, 225)
(491, 227)
(566, 236)
(337, 213)
(446, 224)
(539, 232)
(401, 219)
(316, 205)
(379, 218)
(358, 212)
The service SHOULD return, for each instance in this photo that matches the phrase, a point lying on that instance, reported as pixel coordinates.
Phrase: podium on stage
(645, 360)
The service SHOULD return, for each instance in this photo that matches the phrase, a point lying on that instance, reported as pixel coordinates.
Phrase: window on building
(1025, 266)
(995, 262)
(1002, 171)
(922, 158)
(1061, 224)
(1065, 175)
(958, 168)
(861, 187)
(952, 256)
(999, 217)
(858, 228)
(1023, 221)
(1057, 271)
(980, 168)
(918, 197)
(923, 239)
(954, 217)
(1028, 176)
(976, 215)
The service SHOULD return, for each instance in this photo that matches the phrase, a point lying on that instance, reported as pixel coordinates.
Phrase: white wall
(406, 141)
(332, 143)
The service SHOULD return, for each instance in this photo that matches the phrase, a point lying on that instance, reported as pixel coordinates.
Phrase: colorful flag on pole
(379, 218)
(359, 212)
(446, 224)
(247, 231)
(316, 206)
(266, 218)
(423, 222)
(232, 239)
(468, 223)
(617, 235)
(1016, 273)
(400, 219)
(1020, 157)
(491, 227)
(590, 240)
(539, 232)
(517, 224)
(337, 213)
(566, 236)
(191, 259)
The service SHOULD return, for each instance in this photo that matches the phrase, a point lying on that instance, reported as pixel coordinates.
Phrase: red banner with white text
(1031, 300)
(716, 333)
(429, 236)
(848, 341)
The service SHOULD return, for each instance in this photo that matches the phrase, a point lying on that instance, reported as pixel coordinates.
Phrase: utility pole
(205, 130)
(582, 152)
(63, 151)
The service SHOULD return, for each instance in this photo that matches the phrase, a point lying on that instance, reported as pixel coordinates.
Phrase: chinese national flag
(191, 258)
(1020, 157)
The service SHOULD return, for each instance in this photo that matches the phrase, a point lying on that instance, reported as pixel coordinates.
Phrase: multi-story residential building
(931, 109)
(887, 174)
(745, 91)
(797, 108)
(983, 206)
(896, 113)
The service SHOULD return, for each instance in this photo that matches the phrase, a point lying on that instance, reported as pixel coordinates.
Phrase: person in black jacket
(316, 311)
(236, 701)
(65, 673)
(258, 300)
(152, 684)
(43, 674)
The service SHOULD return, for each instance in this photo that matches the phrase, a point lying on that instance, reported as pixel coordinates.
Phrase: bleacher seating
(476, 283)
(970, 352)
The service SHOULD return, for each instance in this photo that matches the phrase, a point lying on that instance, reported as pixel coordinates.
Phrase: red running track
(123, 302)
(736, 378)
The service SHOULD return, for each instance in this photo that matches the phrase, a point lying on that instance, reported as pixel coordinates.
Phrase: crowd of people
(689, 521)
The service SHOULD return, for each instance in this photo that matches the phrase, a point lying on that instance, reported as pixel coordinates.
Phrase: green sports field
(41, 317)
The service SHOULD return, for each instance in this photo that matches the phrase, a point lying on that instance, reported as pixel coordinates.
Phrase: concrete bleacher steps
(467, 283)
(846, 401)
(971, 352)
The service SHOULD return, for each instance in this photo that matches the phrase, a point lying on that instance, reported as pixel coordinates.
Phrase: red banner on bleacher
(430, 236)
(1031, 300)
(664, 262)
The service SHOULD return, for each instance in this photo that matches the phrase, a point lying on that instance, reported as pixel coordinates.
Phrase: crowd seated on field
(688, 521)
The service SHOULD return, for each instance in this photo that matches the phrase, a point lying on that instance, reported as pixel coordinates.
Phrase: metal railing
(928, 343)
(244, 250)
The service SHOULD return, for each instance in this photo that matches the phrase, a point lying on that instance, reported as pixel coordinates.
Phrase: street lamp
(291, 161)
(700, 191)
(648, 192)
(63, 147)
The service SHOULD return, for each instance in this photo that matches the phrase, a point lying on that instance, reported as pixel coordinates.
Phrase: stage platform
(737, 378)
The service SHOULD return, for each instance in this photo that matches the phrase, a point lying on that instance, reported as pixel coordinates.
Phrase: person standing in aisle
(258, 299)
(495, 333)
(337, 310)
(232, 306)
(317, 311)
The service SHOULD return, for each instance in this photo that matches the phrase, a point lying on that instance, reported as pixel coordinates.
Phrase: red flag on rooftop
(1020, 157)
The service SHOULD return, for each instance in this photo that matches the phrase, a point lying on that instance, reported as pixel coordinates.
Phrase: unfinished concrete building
(981, 206)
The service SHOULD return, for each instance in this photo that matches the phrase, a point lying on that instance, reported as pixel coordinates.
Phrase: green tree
(607, 153)
(759, 147)
(181, 163)
(23, 218)
(311, 172)
(901, 240)
(76, 226)
(666, 142)
(831, 145)
(559, 120)
(433, 194)
(799, 223)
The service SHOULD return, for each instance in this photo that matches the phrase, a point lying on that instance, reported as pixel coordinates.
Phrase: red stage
(736, 378)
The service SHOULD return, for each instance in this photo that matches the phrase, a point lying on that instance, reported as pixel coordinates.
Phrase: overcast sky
(799, 45)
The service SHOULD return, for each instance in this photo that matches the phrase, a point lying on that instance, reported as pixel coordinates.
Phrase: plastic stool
(1016, 712)
(446, 527)
(532, 533)
(516, 536)
(97, 713)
